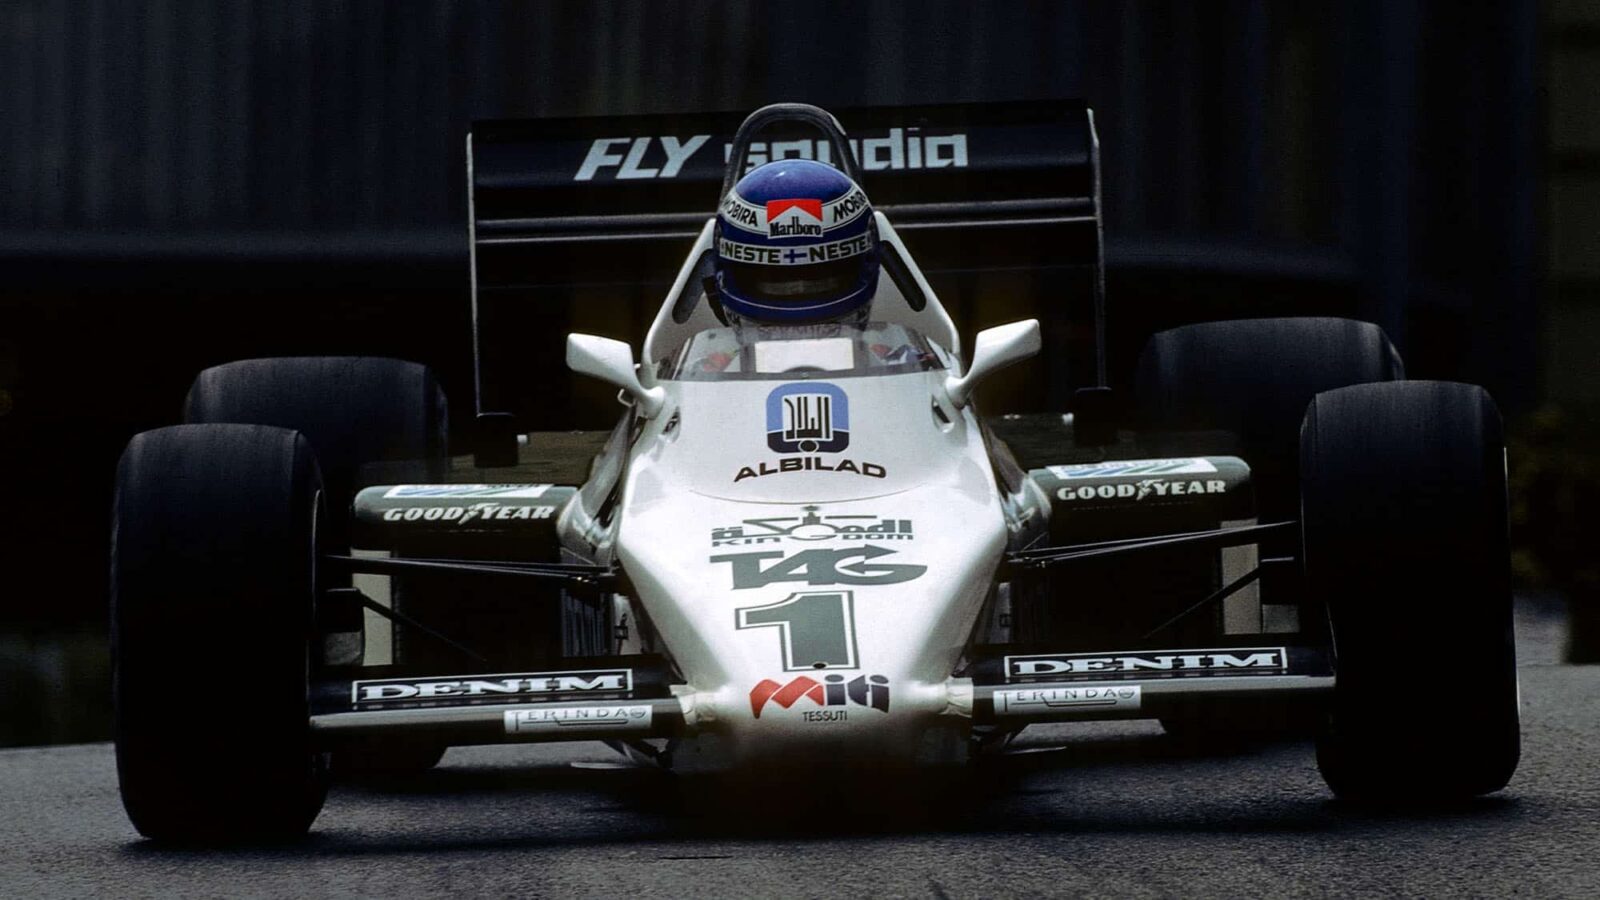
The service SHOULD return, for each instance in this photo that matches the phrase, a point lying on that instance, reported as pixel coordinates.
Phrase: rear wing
(558, 206)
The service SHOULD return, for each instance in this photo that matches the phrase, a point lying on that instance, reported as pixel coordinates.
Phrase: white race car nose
(833, 717)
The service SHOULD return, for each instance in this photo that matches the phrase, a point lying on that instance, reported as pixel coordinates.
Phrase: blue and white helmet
(796, 242)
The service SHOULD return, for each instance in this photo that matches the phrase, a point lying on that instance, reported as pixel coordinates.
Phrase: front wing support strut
(1220, 537)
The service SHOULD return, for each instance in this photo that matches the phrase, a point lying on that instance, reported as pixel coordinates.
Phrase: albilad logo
(808, 418)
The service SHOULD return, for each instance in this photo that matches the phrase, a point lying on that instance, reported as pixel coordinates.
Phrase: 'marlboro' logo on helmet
(793, 218)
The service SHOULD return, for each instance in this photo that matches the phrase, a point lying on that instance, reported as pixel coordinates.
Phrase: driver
(796, 250)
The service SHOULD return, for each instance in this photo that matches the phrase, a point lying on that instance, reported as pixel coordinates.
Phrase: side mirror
(612, 361)
(994, 349)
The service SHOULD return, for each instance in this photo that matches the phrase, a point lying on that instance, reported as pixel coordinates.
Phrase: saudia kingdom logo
(812, 527)
(808, 418)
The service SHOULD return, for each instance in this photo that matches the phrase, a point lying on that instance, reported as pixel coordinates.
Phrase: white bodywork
(747, 556)
(913, 594)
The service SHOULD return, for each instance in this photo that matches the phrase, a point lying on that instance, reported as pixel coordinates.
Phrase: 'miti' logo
(792, 218)
(833, 690)
(808, 418)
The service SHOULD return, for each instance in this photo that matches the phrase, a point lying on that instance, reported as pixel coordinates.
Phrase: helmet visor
(800, 285)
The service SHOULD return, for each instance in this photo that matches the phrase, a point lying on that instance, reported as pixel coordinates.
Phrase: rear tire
(1254, 378)
(1405, 542)
(353, 409)
(213, 595)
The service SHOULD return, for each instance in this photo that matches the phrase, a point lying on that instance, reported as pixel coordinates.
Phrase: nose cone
(815, 609)
(806, 722)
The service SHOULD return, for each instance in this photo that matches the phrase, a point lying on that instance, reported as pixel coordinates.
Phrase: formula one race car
(823, 556)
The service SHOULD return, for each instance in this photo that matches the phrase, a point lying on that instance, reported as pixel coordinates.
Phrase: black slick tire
(355, 411)
(1405, 542)
(1254, 378)
(213, 593)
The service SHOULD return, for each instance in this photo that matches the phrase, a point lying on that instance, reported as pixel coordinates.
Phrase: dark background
(185, 182)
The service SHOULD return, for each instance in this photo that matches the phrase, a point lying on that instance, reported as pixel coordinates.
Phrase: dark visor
(780, 284)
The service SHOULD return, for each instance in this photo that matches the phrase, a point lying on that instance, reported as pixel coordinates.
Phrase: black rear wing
(560, 204)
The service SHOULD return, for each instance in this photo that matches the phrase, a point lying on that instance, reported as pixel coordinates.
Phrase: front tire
(213, 594)
(1404, 518)
(355, 411)
(1253, 379)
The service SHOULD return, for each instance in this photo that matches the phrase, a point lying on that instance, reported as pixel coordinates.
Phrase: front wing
(631, 698)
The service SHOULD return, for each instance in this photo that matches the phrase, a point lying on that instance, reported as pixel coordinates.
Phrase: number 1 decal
(817, 630)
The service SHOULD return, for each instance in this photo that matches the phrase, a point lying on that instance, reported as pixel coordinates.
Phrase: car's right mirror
(994, 349)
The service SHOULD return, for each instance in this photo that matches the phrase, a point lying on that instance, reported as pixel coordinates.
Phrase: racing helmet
(795, 243)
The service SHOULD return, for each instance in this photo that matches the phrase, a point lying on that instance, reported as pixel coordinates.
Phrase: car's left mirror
(612, 361)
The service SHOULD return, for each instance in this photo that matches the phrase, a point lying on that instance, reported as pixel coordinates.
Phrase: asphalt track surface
(1105, 810)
